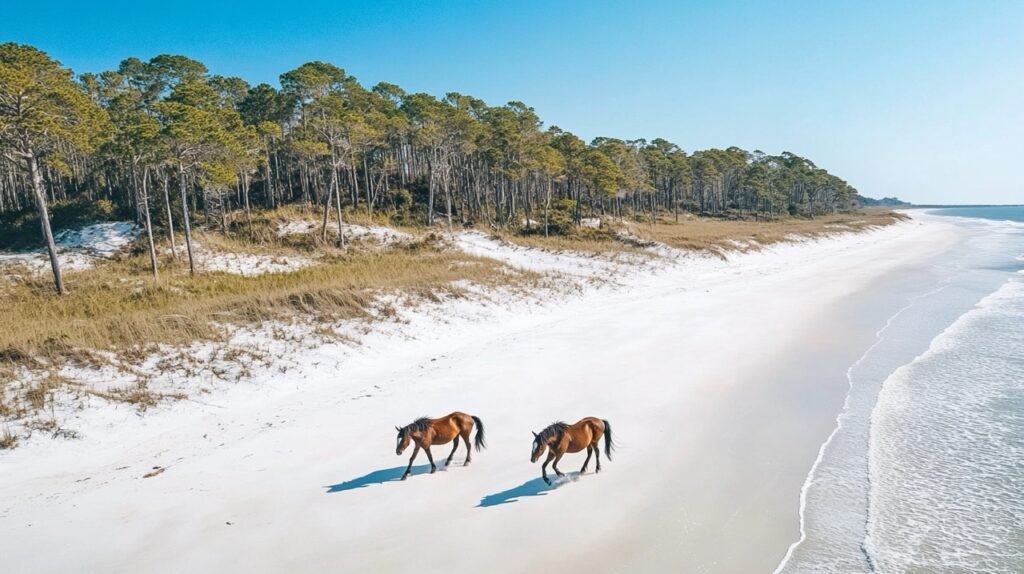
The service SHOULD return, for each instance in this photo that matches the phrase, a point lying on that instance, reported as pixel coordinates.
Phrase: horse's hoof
(404, 476)
(465, 463)
(433, 470)
(547, 480)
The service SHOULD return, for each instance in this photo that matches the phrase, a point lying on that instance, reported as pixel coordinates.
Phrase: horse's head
(539, 444)
(403, 439)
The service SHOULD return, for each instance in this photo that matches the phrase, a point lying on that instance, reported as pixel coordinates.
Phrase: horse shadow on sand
(535, 487)
(377, 477)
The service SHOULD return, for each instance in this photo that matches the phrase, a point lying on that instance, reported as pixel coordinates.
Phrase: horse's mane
(555, 429)
(419, 424)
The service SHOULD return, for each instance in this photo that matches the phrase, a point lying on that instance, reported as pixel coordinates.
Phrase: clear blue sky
(924, 100)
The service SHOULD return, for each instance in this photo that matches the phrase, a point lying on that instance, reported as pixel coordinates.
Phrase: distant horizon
(931, 206)
(919, 102)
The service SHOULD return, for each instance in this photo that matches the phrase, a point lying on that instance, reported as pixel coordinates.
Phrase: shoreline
(664, 344)
(841, 492)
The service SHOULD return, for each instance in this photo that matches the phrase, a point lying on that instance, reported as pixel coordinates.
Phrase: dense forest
(165, 142)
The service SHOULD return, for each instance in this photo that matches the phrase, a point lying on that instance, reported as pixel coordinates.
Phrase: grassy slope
(718, 235)
(118, 304)
(713, 235)
(119, 307)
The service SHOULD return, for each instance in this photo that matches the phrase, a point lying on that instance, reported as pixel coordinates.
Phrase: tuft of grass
(37, 394)
(8, 440)
(138, 395)
(51, 427)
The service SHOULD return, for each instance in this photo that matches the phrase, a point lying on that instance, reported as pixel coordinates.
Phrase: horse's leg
(554, 465)
(449, 461)
(597, 453)
(586, 462)
(408, 469)
(544, 467)
(430, 457)
(469, 448)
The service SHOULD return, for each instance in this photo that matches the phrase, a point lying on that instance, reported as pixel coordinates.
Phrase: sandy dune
(721, 380)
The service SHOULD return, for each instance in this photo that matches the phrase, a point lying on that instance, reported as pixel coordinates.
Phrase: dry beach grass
(703, 234)
(723, 235)
(117, 306)
(117, 310)
(116, 314)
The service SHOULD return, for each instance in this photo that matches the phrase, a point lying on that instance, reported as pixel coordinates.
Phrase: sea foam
(947, 445)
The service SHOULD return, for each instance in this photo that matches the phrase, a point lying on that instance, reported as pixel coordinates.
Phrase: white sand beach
(721, 379)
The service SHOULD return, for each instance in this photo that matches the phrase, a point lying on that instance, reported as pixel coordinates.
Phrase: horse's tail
(609, 444)
(479, 440)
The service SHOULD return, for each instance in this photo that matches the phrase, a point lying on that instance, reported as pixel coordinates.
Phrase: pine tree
(44, 114)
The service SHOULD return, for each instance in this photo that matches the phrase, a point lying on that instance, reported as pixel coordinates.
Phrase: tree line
(167, 141)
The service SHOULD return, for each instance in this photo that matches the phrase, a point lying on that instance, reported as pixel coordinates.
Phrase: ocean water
(925, 470)
(946, 456)
(993, 213)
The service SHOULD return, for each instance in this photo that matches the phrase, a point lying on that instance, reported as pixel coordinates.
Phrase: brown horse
(560, 438)
(427, 432)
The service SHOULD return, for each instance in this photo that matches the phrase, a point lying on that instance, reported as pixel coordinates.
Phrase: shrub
(400, 206)
(559, 219)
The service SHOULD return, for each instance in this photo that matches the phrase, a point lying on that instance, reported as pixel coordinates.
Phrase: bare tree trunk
(334, 192)
(337, 205)
(448, 197)
(327, 208)
(277, 172)
(245, 197)
(188, 225)
(430, 193)
(369, 188)
(355, 180)
(675, 203)
(223, 201)
(144, 199)
(547, 208)
(269, 179)
(170, 218)
(44, 218)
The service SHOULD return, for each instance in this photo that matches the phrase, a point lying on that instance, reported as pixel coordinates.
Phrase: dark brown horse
(560, 438)
(427, 432)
